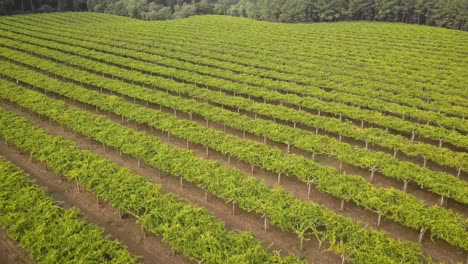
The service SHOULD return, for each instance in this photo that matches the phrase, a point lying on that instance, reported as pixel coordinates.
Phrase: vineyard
(216, 139)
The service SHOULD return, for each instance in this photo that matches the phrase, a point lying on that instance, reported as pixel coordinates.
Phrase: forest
(444, 13)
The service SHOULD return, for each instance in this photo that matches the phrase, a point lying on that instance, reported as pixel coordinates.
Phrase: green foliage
(190, 230)
(230, 185)
(48, 232)
(437, 182)
(289, 84)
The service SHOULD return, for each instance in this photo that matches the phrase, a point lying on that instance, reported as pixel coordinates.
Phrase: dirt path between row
(11, 252)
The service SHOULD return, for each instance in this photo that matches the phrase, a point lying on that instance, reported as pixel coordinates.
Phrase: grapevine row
(445, 225)
(279, 54)
(228, 75)
(431, 132)
(179, 51)
(158, 213)
(306, 219)
(437, 182)
(396, 143)
(48, 232)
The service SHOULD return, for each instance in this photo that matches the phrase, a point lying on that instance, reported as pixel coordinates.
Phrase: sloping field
(216, 139)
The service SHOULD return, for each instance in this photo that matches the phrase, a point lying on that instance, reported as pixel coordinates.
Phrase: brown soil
(438, 250)
(11, 252)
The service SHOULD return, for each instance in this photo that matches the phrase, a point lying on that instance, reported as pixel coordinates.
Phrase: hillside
(216, 139)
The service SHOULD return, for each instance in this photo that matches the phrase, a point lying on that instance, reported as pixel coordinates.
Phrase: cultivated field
(216, 139)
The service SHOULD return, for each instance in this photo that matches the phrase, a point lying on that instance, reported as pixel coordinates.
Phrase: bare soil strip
(11, 252)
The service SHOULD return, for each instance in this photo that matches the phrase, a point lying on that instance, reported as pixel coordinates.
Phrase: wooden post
(318, 112)
(188, 146)
(424, 162)
(294, 122)
(207, 122)
(243, 133)
(265, 223)
(367, 144)
(421, 235)
(440, 142)
(372, 174)
(104, 147)
(316, 131)
(229, 159)
(458, 172)
(289, 146)
(362, 123)
(395, 152)
(413, 134)
(341, 165)
(309, 185)
(339, 138)
(342, 205)
(442, 200)
(405, 185)
(233, 207)
(207, 151)
(379, 218)
(191, 116)
(251, 168)
(342, 258)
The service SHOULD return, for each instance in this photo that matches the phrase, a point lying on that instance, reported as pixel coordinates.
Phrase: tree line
(444, 13)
